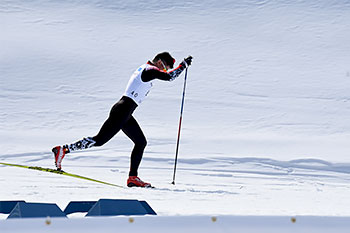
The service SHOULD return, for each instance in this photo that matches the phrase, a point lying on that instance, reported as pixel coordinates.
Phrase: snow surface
(251, 224)
(265, 128)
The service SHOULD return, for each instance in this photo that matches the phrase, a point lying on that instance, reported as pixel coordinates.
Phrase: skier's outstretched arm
(155, 73)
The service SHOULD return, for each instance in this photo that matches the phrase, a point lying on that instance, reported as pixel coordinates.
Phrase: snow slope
(265, 124)
(251, 224)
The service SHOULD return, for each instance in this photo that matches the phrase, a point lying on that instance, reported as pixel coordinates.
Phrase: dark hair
(165, 57)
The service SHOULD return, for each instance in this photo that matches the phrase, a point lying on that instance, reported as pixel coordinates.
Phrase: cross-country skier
(121, 118)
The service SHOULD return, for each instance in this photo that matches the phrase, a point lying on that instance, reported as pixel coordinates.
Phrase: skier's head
(165, 60)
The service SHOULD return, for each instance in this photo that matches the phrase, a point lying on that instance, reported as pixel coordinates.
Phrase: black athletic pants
(120, 118)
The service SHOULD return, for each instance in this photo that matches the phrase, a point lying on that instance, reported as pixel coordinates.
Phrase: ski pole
(180, 122)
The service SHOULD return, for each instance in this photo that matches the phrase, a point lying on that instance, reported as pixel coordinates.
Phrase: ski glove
(187, 61)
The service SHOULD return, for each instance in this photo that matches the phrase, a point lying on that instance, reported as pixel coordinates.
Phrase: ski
(60, 172)
(146, 187)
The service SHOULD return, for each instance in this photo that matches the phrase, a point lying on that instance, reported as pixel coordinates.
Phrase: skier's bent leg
(136, 156)
(134, 132)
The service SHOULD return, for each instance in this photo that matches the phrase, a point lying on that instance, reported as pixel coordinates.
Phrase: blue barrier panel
(36, 210)
(113, 207)
(78, 206)
(148, 208)
(7, 206)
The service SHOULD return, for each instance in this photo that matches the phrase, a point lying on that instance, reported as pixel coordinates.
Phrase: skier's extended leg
(119, 115)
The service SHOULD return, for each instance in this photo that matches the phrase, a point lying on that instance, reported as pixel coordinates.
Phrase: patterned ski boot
(59, 153)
